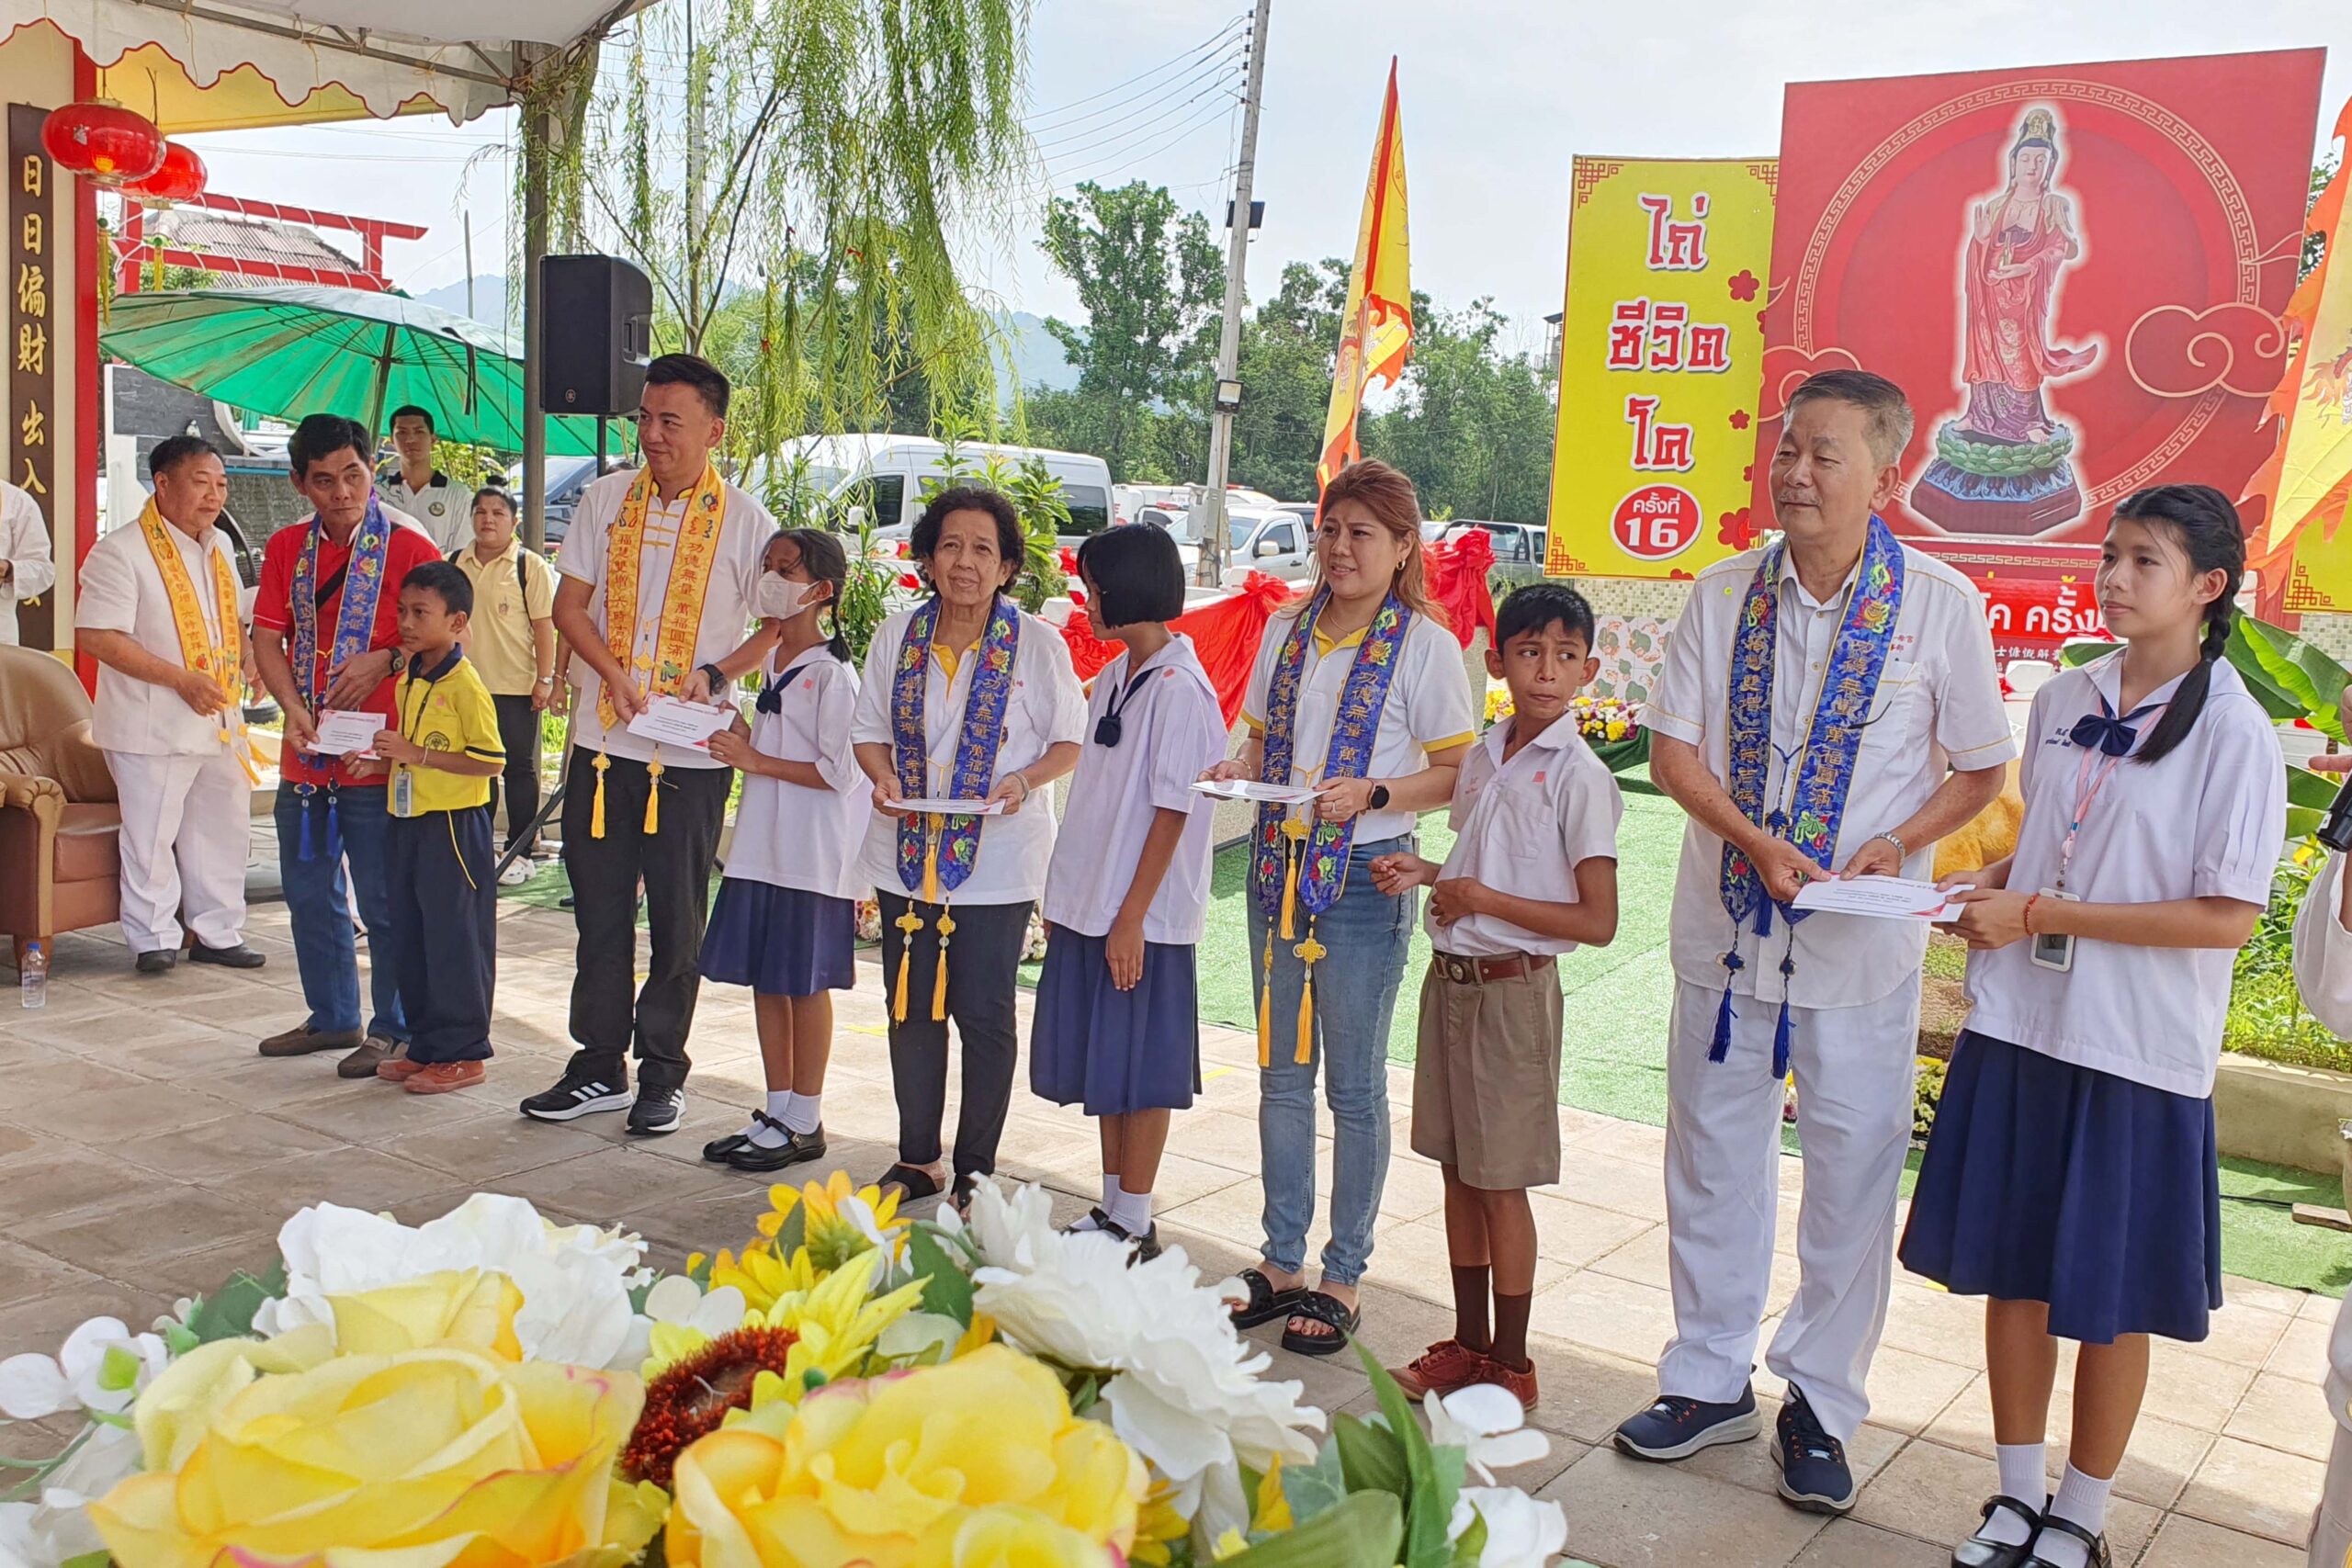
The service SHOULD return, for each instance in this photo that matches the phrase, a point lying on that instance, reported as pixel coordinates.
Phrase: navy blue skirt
(781, 941)
(2045, 1181)
(1108, 1050)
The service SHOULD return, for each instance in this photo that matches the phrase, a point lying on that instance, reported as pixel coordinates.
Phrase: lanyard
(1109, 729)
(2084, 777)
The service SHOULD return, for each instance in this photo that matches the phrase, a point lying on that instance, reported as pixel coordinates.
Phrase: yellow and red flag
(1376, 331)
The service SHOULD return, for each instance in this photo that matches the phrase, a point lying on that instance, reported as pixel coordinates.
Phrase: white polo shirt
(24, 545)
(2207, 820)
(743, 532)
(1522, 827)
(2324, 976)
(122, 591)
(1937, 707)
(1428, 709)
(1170, 731)
(786, 834)
(1047, 708)
(441, 506)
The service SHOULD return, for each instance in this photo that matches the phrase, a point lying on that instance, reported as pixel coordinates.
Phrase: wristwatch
(717, 678)
(1900, 852)
(1380, 797)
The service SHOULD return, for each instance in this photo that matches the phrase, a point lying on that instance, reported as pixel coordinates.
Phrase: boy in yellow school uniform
(438, 859)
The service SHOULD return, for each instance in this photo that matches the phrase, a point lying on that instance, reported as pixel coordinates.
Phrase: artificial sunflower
(837, 1221)
(833, 1326)
(694, 1398)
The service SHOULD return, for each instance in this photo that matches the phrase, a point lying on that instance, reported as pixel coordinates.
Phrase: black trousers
(982, 956)
(518, 731)
(674, 864)
(440, 875)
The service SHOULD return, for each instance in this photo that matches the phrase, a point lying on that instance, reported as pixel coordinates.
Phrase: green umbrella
(294, 351)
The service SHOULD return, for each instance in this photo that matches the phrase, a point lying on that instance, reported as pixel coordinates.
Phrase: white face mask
(779, 599)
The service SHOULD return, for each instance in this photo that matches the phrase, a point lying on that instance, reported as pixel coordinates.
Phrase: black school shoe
(237, 957)
(796, 1149)
(576, 1095)
(1975, 1553)
(658, 1110)
(157, 961)
(2100, 1557)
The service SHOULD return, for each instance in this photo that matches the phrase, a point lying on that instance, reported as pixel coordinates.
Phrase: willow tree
(796, 176)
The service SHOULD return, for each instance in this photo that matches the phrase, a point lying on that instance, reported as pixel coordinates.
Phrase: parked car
(1516, 544)
(886, 473)
(1271, 539)
(567, 480)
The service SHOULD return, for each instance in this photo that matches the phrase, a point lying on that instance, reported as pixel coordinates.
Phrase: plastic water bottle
(32, 977)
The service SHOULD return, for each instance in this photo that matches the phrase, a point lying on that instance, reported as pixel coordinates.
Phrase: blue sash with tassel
(1824, 767)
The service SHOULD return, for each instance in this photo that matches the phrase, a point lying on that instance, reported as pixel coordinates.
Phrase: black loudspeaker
(596, 334)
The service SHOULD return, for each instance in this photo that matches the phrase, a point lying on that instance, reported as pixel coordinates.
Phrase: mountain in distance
(490, 299)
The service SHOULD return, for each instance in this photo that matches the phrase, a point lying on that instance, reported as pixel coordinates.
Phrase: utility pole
(1214, 544)
(470, 261)
(695, 155)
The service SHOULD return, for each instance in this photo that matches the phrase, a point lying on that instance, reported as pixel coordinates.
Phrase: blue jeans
(318, 899)
(1366, 935)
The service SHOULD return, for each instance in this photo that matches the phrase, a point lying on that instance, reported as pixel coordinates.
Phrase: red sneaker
(398, 1069)
(1445, 1366)
(1519, 1385)
(442, 1076)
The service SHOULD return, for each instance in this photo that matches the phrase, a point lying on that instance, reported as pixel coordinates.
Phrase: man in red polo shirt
(326, 637)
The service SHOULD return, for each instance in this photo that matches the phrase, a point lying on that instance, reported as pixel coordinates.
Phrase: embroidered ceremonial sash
(1812, 811)
(665, 670)
(355, 628)
(1296, 868)
(223, 660)
(936, 853)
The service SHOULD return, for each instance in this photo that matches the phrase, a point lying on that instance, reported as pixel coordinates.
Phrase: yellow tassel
(947, 927)
(1266, 1007)
(653, 795)
(1295, 831)
(908, 924)
(596, 814)
(930, 861)
(1309, 951)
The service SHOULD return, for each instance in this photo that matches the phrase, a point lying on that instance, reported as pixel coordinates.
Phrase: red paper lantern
(103, 142)
(180, 178)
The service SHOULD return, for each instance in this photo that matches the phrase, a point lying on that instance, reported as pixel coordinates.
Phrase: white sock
(801, 1112)
(764, 1136)
(2082, 1500)
(2023, 1477)
(1109, 1205)
(1131, 1211)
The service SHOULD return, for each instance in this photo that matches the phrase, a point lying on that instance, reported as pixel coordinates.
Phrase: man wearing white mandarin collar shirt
(1890, 648)
(658, 574)
(169, 726)
(27, 567)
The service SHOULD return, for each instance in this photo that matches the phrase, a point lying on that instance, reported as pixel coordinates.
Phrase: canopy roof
(226, 64)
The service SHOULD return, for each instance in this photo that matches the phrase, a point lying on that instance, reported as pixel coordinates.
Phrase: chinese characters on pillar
(30, 343)
(1660, 366)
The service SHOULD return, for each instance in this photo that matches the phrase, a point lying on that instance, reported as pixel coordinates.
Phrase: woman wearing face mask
(785, 921)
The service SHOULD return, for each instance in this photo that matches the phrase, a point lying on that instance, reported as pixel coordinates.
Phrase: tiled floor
(145, 1152)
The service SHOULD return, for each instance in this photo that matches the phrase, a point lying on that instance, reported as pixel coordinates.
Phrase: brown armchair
(60, 861)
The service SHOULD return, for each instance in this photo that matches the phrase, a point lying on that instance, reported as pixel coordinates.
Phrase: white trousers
(1854, 1071)
(2332, 1529)
(186, 831)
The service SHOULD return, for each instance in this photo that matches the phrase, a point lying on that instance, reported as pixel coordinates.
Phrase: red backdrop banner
(2074, 271)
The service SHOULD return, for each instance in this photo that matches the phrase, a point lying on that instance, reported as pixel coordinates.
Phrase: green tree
(1287, 346)
(2316, 243)
(1151, 283)
(1472, 423)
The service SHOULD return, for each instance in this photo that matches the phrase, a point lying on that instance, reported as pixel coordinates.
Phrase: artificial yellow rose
(174, 1411)
(453, 1307)
(893, 1472)
(441, 1458)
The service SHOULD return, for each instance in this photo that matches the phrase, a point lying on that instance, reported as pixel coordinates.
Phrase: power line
(1146, 127)
(1215, 39)
(1183, 134)
(1079, 128)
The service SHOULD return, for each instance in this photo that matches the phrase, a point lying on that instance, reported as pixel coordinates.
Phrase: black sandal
(2100, 1557)
(913, 1183)
(1324, 1309)
(1977, 1554)
(1265, 1303)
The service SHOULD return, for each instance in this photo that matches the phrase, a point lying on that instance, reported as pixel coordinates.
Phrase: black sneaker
(657, 1111)
(576, 1095)
(796, 1148)
(1814, 1474)
(1676, 1427)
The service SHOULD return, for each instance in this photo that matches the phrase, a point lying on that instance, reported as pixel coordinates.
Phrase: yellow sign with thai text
(1661, 365)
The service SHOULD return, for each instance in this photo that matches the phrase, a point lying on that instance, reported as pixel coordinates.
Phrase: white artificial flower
(677, 1301)
(102, 1367)
(1183, 1388)
(574, 1279)
(919, 1338)
(1487, 1423)
(1521, 1532)
(57, 1529)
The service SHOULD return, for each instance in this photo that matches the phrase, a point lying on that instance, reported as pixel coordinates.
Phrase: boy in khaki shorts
(1532, 874)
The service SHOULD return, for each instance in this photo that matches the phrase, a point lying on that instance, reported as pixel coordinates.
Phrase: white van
(895, 466)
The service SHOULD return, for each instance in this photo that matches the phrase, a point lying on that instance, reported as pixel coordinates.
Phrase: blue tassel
(306, 799)
(1781, 1045)
(334, 830)
(1722, 1046)
(1764, 916)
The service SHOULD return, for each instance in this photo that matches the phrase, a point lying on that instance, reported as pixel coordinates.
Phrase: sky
(1497, 96)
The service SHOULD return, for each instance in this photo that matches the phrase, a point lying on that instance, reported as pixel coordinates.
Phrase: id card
(404, 791)
(2055, 950)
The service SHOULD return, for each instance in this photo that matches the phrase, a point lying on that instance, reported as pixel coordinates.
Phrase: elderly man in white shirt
(162, 610)
(1827, 705)
(28, 570)
(658, 577)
